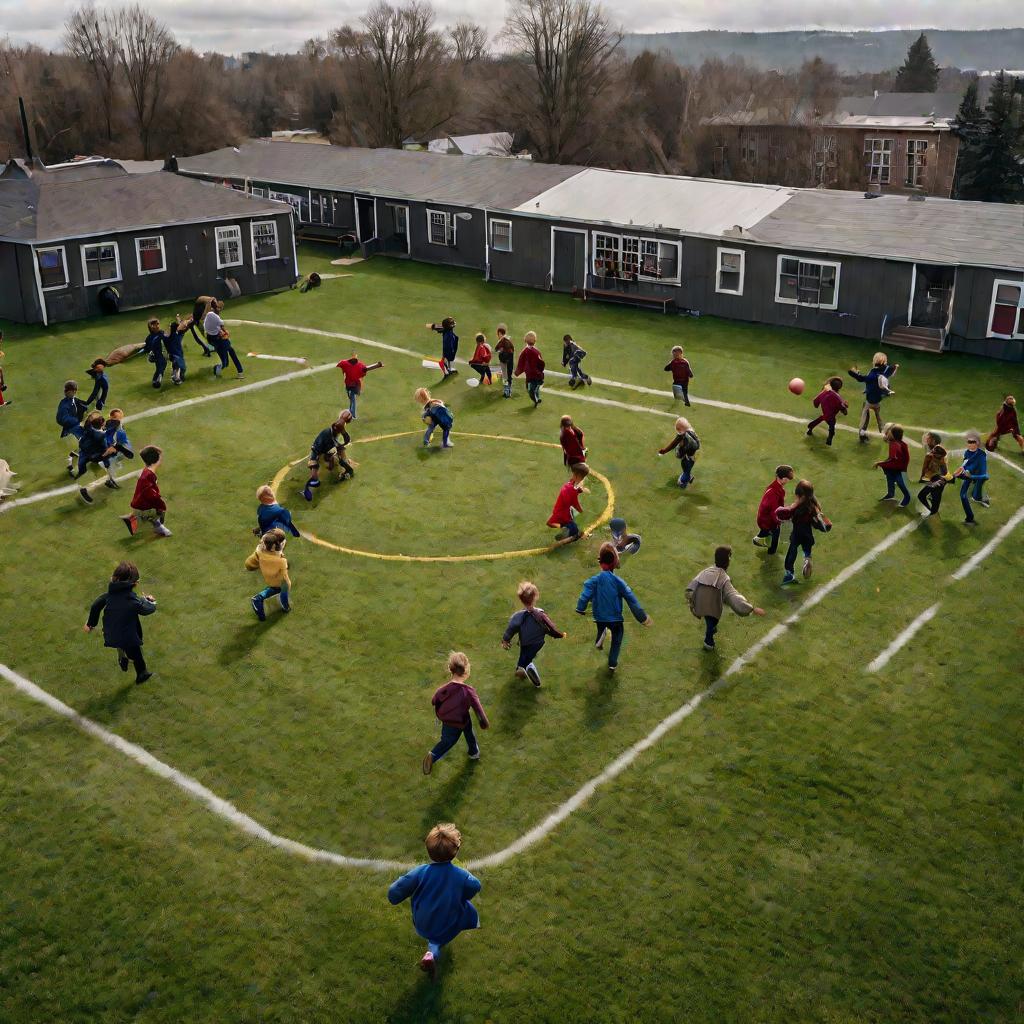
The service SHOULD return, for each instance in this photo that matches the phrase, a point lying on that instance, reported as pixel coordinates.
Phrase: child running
(572, 356)
(217, 335)
(329, 445)
(934, 473)
(574, 448)
(681, 374)
(973, 474)
(154, 349)
(830, 404)
(606, 592)
(121, 608)
(567, 504)
(896, 465)
(687, 444)
(270, 515)
(174, 343)
(117, 437)
(531, 365)
(435, 414)
(806, 516)
(269, 559)
(100, 383)
(774, 497)
(70, 410)
(355, 370)
(533, 626)
(147, 502)
(1006, 423)
(481, 361)
(711, 590)
(452, 703)
(876, 390)
(506, 352)
(94, 450)
(449, 345)
(441, 894)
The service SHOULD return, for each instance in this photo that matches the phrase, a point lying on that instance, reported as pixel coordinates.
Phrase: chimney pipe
(24, 128)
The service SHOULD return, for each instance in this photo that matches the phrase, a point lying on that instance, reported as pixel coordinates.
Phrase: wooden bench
(629, 298)
(306, 234)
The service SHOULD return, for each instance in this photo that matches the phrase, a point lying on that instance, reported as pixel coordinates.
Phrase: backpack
(689, 445)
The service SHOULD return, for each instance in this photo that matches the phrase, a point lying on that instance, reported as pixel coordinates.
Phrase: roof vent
(915, 199)
(872, 195)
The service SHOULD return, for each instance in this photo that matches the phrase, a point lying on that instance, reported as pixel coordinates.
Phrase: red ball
(796, 385)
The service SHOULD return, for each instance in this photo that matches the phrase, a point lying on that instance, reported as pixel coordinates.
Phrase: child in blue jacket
(449, 344)
(435, 414)
(441, 894)
(973, 473)
(876, 389)
(270, 515)
(607, 592)
(154, 349)
(175, 347)
(100, 383)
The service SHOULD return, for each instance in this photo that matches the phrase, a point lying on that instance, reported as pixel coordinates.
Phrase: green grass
(813, 844)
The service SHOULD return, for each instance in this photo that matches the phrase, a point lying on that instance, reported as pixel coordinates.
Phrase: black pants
(710, 629)
(796, 544)
(774, 534)
(527, 652)
(931, 497)
(225, 350)
(134, 655)
(483, 369)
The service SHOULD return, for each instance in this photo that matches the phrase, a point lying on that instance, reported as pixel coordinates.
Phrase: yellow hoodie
(272, 564)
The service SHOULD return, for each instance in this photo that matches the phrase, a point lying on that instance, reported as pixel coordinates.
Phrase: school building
(922, 272)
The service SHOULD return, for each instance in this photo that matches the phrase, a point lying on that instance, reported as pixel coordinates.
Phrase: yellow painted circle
(603, 518)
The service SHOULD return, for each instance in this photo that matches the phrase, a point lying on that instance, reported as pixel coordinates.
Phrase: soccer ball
(473, 382)
(796, 385)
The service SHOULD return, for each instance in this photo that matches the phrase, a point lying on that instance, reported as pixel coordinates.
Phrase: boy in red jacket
(774, 497)
(1006, 423)
(568, 503)
(895, 467)
(532, 366)
(831, 405)
(571, 439)
(681, 374)
(481, 361)
(452, 703)
(355, 370)
(147, 502)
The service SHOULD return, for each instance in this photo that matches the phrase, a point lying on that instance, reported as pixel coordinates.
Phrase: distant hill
(981, 50)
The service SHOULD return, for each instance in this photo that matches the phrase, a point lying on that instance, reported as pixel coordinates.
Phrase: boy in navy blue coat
(270, 515)
(607, 592)
(175, 348)
(121, 608)
(441, 894)
(876, 389)
(154, 349)
(100, 383)
(70, 410)
(449, 344)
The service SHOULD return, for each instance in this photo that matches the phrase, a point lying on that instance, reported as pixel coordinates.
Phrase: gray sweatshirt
(711, 590)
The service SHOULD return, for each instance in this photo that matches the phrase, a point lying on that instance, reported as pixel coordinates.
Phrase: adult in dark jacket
(121, 608)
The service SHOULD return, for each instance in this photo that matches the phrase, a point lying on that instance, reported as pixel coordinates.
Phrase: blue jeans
(353, 394)
(527, 652)
(681, 391)
(428, 433)
(895, 478)
(450, 736)
(533, 389)
(687, 474)
(710, 629)
(161, 364)
(268, 592)
(226, 351)
(178, 364)
(571, 529)
(794, 546)
(575, 373)
(965, 487)
(84, 460)
(617, 631)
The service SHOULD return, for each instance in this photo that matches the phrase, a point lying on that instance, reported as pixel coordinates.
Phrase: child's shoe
(122, 661)
(241, 376)
(599, 642)
(157, 382)
(428, 965)
(590, 380)
(533, 675)
(709, 646)
(448, 445)
(788, 579)
(520, 672)
(807, 568)
(257, 607)
(141, 679)
(904, 503)
(970, 522)
(217, 370)
(759, 541)
(85, 495)
(983, 502)
(427, 766)
(307, 493)
(132, 522)
(476, 756)
(112, 484)
(160, 530)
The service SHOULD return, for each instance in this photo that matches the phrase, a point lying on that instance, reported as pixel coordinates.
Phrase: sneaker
(175, 380)
(532, 674)
(829, 442)
(807, 568)
(983, 502)
(158, 382)
(132, 522)
(590, 380)
(788, 579)
(448, 445)
(160, 530)
(122, 661)
(520, 672)
(709, 646)
(810, 433)
(428, 965)
(476, 756)
(599, 642)
(85, 495)
(887, 497)
(141, 679)
(307, 494)
(217, 369)
(427, 766)
(257, 607)
(612, 668)
(862, 437)
(904, 503)
(112, 484)
(760, 542)
(241, 376)
(970, 522)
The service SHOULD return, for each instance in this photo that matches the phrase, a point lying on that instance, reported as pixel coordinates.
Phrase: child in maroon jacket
(567, 504)
(831, 405)
(681, 374)
(147, 502)
(774, 497)
(571, 440)
(1006, 423)
(531, 364)
(452, 703)
(895, 467)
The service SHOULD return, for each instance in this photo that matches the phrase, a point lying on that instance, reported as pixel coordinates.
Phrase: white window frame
(917, 161)
(451, 227)
(718, 271)
(257, 190)
(837, 267)
(253, 225)
(1017, 335)
(138, 254)
(629, 255)
(117, 263)
(64, 263)
(878, 147)
(508, 224)
(295, 202)
(224, 229)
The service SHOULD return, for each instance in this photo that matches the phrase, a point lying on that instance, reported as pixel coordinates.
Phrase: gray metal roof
(902, 104)
(89, 199)
(943, 231)
(473, 181)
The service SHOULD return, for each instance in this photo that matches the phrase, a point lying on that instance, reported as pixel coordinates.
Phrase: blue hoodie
(607, 591)
(872, 392)
(441, 895)
(976, 463)
(269, 516)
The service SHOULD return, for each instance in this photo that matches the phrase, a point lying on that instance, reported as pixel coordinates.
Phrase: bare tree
(92, 38)
(145, 49)
(562, 64)
(469, 42)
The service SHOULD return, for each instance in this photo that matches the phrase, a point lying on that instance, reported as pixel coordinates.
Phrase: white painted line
(902, 639)
(281, 359)
(981, 554)
(31, 499)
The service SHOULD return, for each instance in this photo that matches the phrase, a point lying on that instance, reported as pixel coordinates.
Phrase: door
(366, 219)
(569, 259)
(399, 241)
(1007, 319)
(933, 290)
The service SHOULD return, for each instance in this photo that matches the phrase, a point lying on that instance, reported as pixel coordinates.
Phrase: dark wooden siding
(12, 303)
(972, 305)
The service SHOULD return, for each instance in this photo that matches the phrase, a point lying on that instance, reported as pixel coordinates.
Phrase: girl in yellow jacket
(269, 559)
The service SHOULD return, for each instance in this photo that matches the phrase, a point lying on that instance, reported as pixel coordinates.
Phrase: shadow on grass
(248, 636)
(424, 999)
(517, 703)
(106, 708)
(599, 703)
(448, 798)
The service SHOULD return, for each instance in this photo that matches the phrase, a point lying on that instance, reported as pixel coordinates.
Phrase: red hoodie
(147, 493)
(571, 440)
(899, 457)
(482, 354)
(530, 363)
(568, 498)
(830, 403)
(1006, 421)
(773, 498)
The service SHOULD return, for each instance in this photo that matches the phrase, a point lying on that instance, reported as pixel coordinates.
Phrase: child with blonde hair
(687, 444)
(679, 367)
(452, 703)
(435, 414)
(876, 389)
(441, 894)
(269, 559)
(270, 515)
(533, 627)
(531, 365)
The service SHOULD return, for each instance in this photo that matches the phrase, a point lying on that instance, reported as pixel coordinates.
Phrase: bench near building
(88, 237)
(926, 273)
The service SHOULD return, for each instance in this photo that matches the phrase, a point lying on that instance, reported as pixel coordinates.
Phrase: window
(257, 191)
(917, 161)
(720, 162)
(501, 235)
(1006, 318)
(149, 254)
(879, 154)
(659, 260)
(632, 259)
(229, 247)
(286, 197)
(807, 282)
(101, 262)
(748, 150)
(400, 215)
(440, 227)
(264, 240)
(53, 268)
(824, 159)
(606, 255)
(730, 271)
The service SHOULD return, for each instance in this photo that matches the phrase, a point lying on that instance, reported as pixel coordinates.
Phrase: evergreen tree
(994, 169)
(969, 128)
(919, 73)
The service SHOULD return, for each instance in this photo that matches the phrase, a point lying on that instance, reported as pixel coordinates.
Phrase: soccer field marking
(31, 499)
(982, 553)
(605, 516)
(904, 638)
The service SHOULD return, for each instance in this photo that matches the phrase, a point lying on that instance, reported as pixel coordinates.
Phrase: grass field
(813, 843)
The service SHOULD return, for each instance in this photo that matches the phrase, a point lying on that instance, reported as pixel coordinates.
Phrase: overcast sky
(283, 26)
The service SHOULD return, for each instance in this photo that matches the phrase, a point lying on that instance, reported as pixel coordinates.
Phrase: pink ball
(796, 385)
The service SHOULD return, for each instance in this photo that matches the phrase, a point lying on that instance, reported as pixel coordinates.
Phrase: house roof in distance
(97, 197)
(484, 144)
(476, 181)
